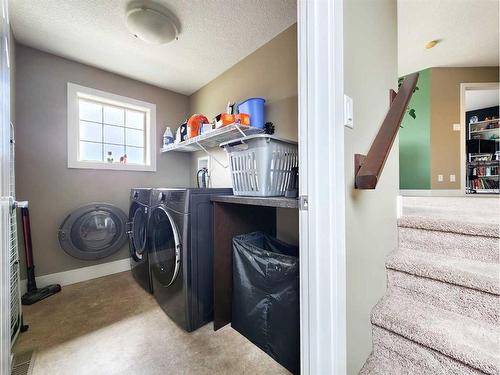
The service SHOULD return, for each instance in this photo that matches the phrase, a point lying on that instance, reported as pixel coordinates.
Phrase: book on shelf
(484, 184)
(483, 171)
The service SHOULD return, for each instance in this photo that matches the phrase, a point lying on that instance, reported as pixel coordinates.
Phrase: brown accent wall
(42, 176)
(445, 111)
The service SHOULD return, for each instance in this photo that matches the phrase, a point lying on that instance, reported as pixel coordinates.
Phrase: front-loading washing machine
(181, 253)
(138, 236)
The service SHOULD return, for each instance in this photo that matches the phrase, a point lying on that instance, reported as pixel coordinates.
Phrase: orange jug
(194, 125)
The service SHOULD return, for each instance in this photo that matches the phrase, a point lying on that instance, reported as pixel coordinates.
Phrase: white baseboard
(399, 206)
(432, 193)
(80, 274)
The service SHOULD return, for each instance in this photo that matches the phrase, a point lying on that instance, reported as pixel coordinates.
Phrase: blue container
(255, 108)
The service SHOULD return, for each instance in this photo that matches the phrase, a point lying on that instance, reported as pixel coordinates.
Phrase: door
(137, 235)
(165, 247)
(5, 200)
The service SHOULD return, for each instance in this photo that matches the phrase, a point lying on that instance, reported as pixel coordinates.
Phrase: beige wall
(43, 178)
(370, 64)
(445, 111)
(270, 72)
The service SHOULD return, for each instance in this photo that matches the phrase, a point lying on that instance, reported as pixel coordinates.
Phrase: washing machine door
(165, 247)
(137, 233)
(93, 231)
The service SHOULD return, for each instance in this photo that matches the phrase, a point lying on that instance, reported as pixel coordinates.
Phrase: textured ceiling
(468, 30)
(215, 35)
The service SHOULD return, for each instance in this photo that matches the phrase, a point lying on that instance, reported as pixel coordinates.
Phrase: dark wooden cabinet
(234, 216)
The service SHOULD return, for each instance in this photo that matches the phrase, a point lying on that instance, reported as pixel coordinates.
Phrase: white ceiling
(215, 35)
(468, 30)
(478, 99)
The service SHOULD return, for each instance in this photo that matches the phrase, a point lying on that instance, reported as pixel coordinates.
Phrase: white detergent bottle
(168, 137)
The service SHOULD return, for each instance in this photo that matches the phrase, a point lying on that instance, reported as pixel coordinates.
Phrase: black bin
(266, 296)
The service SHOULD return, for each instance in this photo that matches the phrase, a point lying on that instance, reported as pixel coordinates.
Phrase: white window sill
(112, 166)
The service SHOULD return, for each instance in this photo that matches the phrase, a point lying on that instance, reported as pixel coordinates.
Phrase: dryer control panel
(175, 199)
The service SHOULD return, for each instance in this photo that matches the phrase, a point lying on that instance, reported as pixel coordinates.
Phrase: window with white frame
(108, 131)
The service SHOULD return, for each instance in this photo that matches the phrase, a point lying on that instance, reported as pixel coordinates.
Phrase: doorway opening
(480, 138)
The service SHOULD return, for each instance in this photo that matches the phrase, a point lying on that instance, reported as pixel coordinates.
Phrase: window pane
(116, 152)
(90, 111)
(114, 115)
(90, 131)
(135, 119)
(113, 134)
(135, 155)
(135, 137)
(90, 151)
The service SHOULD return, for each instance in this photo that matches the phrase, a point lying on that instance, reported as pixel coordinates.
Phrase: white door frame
(322, 182)
(463, 128)
(321, 163)
(5, 200)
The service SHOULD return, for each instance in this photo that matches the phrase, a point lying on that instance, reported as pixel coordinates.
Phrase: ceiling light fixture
(431, 44)
(152, 26)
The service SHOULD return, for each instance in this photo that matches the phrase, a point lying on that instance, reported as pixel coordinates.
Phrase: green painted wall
(415, 139)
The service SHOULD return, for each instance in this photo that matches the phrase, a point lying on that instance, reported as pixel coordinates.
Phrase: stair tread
(379, 365)
(468, 273)
(403, 356)
(460, 245)
(450, 224)
(469, 341)
(482, 210)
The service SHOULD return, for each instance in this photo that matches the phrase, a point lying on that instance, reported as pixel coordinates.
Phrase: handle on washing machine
(178, 246)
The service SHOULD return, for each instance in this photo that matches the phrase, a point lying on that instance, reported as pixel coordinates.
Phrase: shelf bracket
(225, 166)
(241, 131)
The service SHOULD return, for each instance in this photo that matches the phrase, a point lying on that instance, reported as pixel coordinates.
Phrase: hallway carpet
(111, 326)
(441, 311)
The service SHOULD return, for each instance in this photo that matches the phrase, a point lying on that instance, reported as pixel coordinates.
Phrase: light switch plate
(348, 112)
(456, 127)
(440, 178)
(452, 178)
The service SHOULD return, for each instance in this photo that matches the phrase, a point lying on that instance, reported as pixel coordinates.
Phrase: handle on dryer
(178, 248)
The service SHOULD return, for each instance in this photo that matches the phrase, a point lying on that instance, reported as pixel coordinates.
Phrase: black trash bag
(266, 296)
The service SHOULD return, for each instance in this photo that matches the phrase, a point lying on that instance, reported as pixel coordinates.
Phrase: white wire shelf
(484, 130)
(213, 138)
(482, 163)
(484, 122)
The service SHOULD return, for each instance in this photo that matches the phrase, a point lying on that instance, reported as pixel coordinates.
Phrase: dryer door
(165, 247)
(137, 233)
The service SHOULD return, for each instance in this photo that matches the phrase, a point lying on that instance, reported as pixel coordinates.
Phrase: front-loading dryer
(138, 236)
(181, 253)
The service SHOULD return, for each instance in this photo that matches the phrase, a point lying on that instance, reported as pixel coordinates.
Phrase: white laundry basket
(261, 165)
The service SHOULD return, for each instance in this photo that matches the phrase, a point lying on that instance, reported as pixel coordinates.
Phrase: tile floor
(111, 326)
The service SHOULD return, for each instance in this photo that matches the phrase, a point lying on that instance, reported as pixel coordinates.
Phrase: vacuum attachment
(29, 298)
(33, 294)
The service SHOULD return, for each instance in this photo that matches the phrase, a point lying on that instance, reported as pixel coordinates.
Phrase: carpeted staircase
(441, 312)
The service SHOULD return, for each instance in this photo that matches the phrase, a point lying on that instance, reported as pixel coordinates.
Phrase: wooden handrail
(369, 168)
